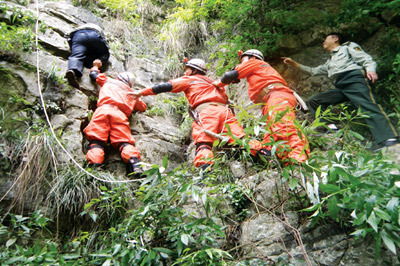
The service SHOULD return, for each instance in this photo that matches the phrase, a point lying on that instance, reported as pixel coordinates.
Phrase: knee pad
(203, 145)
(95, 154)
(127, 151)
(255, 146)
(203, 154)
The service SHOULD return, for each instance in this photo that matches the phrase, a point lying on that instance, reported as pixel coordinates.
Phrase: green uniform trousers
(354, 87)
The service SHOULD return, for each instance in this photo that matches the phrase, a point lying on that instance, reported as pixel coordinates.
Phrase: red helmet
(198, 64)
(127, 78)
(252, 52)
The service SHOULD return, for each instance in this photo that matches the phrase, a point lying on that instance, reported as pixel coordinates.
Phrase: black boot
(71, 78)
(205, 170)
(264, 155)
(96, 166)
(133, 167)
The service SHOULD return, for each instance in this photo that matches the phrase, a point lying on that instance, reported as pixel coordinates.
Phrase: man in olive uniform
(352, 71)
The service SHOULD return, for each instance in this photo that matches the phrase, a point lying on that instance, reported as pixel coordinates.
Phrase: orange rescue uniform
(266, 85)
(214, 113)
(110, 120)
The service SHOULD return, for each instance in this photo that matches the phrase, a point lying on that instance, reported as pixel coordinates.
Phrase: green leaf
(392, 204)
(356, 135)
(117, 248)
(329, 188)
(14, 259)
(71, 256)
(107, 263)
(93, 215)
(215, 143)
(388, 242)
(354, 181)
(185, 239)
(180, 247)
(333, 208)
(165, 161)
(209, 253)
(312, 208)
(10, 242)
(204, 198)
(293, 183)
(358, 232)
(373, 221)
(164, 250)
(382, 214)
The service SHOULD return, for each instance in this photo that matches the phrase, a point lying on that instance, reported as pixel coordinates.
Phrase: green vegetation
(360, 192)
(16, 33)
(169, 217)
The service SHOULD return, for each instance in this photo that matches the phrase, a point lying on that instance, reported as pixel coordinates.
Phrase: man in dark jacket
(87, 43)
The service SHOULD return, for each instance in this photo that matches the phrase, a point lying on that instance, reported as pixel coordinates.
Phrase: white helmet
(198, 64)
(127, 78)
(253, 52)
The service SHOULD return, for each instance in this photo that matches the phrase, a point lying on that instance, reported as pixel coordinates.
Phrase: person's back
(115, 92)
(259, 75)
(198, 89)
(268, 87)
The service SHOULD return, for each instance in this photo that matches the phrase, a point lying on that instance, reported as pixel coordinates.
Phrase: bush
(360, 191)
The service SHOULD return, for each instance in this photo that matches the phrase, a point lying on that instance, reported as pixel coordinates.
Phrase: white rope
(47, 117)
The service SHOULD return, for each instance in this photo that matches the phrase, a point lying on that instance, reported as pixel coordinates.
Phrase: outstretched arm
(290, 62)
(227, 78)
(156, 89)
(313, 71)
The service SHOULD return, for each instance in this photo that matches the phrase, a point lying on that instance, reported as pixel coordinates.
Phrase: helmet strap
(196, 71)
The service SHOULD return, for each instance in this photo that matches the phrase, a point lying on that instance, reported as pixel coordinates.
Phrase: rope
(47, 117)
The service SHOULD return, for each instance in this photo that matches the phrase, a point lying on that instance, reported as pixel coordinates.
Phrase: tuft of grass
(33, 159)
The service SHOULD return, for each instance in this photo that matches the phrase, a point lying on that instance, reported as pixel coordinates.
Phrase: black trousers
(86, 46)
(354, 87)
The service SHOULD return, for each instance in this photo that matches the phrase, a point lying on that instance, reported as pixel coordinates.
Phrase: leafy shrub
(16, 34)
(358, 190)
(17, 241)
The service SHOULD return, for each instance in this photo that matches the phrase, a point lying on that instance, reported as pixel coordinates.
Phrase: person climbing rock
(87, 43)
(352, 71)
(268, 87)
(209, 107)
(110, 120)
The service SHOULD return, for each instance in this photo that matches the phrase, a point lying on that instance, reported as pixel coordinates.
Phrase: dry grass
(33, 160)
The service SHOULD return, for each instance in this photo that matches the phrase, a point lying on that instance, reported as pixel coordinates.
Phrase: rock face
(60, 18)
(263, 235)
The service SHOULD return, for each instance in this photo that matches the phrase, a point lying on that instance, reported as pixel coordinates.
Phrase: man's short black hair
(338, 35)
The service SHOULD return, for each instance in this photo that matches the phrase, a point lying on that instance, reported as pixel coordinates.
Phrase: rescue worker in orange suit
(210, 102)
(110, 120)
(268, 87)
